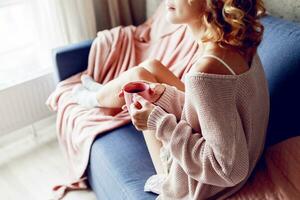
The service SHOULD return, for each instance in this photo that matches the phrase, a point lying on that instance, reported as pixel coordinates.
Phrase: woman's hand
(140, 111)
(156, 90)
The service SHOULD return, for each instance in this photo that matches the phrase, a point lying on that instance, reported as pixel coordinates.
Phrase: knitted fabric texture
(214, 131)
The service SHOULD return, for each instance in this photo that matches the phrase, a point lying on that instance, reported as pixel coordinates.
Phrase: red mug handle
(121, 93)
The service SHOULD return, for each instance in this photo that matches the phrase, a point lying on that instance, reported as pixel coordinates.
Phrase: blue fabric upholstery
(71, 59)
(120, 165)
(119, 160)
(280, 55)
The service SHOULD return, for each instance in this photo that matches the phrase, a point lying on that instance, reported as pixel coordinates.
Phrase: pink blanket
(113, 52)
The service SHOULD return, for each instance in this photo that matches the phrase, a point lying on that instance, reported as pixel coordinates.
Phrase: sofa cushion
(120, 164)
(280, 55)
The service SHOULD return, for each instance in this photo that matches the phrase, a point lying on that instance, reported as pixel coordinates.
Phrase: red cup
(140, 88)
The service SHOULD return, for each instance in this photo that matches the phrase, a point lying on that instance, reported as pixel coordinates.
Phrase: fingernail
(152, 86)
(151, 90)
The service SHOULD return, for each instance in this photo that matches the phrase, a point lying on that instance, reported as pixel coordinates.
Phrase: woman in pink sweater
(211, 127)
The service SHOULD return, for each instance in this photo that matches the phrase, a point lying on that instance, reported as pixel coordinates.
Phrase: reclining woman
(212, 127)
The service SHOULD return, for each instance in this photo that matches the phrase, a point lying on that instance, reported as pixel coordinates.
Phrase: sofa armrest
(71, 59)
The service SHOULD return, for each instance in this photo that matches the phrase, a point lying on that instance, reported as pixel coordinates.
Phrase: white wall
(151, 5)
(288, 9)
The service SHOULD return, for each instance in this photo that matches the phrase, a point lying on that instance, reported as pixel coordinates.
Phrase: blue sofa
(120, 162)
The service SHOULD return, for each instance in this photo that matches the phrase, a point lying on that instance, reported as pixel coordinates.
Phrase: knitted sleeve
(171, 100)
(217, 154)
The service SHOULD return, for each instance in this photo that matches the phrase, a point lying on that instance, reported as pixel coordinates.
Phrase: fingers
(152, 88)
(138, 114)
(156, 87)
(152, 85)
(134, 109)
(140, 100)
(124, 107)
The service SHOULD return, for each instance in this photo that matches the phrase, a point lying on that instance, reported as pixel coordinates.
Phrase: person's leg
(150, 70)
(154, 146)
(92, 94)
(108, 95)
(162, 74)
(153, 71)
(119, 165)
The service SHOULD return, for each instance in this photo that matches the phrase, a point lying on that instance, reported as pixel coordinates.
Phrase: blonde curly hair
(234, 23)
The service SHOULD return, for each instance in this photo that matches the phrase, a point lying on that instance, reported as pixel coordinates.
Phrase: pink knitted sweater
(214, 132)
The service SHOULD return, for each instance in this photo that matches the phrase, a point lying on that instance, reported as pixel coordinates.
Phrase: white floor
(31, 176)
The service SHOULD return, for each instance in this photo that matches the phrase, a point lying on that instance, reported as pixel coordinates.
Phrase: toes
(90, 83)
(77, 89)
(85, 79)
(85, 76)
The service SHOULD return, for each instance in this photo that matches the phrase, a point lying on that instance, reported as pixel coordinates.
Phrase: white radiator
(24, 104)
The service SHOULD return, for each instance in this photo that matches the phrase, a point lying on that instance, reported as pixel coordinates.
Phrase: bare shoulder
(210, 66)
(213, 66)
